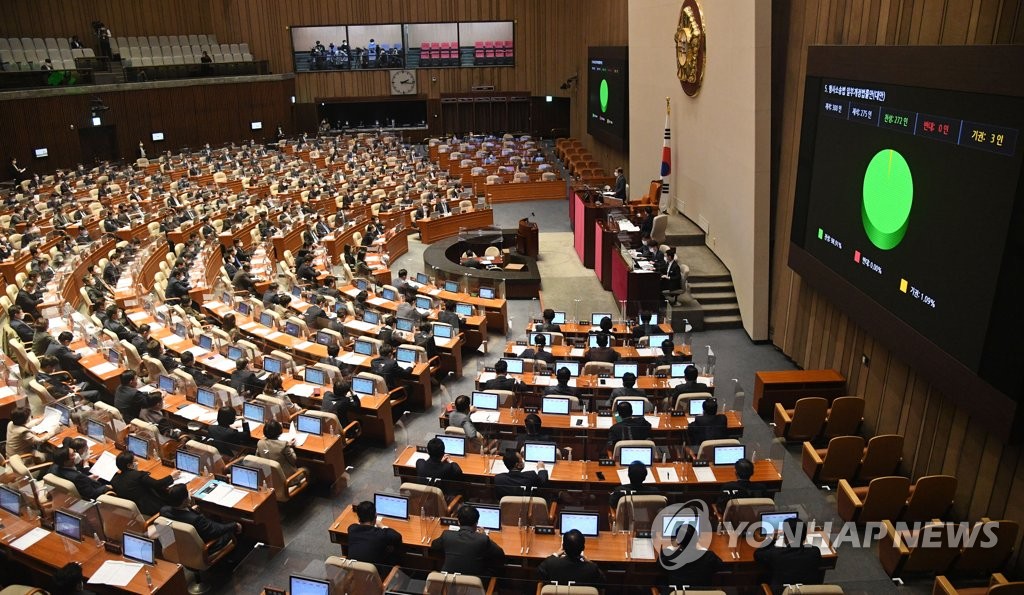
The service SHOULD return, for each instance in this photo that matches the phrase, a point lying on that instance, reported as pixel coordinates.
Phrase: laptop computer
(301, 585)
(620, 370)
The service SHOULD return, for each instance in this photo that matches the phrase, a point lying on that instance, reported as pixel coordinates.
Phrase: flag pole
(666, 159)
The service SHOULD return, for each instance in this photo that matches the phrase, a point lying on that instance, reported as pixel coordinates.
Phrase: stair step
(721, 297)
(714, 287)
(719, 309)
(722, 322)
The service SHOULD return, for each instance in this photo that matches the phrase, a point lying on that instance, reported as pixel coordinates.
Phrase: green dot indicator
(821, 234)
(604, 95)
(888, 197)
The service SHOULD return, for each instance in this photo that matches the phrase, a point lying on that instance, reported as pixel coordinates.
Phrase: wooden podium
(527, 238)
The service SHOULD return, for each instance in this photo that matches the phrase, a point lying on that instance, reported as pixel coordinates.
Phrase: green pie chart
(888, 198)
(604, 95)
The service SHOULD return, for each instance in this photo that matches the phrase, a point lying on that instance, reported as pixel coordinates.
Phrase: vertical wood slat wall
(551, 39)
(940, 437)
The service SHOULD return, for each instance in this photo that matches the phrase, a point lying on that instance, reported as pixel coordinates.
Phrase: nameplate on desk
(520, 342)
(274, 591)
(661, 375)
(701, 463)
(447, 521)
(606, 462)
(604, 375)
(643, 534)
(607, 413)
(677, 413)
(488, 368)
(544, 530)
(531, 409)
(421, 449)
(112, 547)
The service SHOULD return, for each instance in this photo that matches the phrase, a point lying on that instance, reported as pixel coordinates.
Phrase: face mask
(76, 459)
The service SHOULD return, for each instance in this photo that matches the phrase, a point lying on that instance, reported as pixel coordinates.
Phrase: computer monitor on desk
(405, 324)
(314, 376)
(308, 424)
(453, 445)
(485, 401)
(363, 347)
(490, 517)
(10, 500)
(729, 454)
(166, 383)
(389, 294)
(655, 341)
(206, 342)
(443, 331)
(631, 454)
(464, 309)
(555, 405)
(363, 386)
(245, 477)
(585, 522)
(138, 548)
(515, 364)
(540, 452)
(138, 446)
(301, 585)
(620, 370)
(273, 365)
(571, 365)
(597, 317)
(451, 286)
(67, 524)
(186, 462)
(395, 507)
(254, 412)
(487, 293)
(559, 318)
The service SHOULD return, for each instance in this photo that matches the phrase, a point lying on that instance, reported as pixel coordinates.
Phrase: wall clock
(403, 82)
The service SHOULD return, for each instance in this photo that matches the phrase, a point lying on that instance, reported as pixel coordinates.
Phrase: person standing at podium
(620, 185)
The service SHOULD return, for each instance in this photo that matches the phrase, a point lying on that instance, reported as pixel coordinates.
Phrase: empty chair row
(34, 43)
(940, 548)
(176, 50)
(849, 458)
(136, 62)
(13, 60)
(163, 40)
(814, 418)
(894, 498)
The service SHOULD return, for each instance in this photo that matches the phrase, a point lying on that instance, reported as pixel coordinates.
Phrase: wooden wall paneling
(981, 497)
(954, 437)
(894, 392)
(910, 423)
(956, 21)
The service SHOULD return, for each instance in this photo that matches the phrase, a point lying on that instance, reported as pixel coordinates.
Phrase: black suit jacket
(389, 370)
(468, 552)
(500, 383)
(620, 186)
(377, 545)
(147, 493)
(563, 569)
(206, 528)
(689, 387)
(25, 332)
(245, 381)
(87, 487)
(699, 573)
(632, 428)
(224, 437)
(790, 565)
(707, 427)
(512, 483)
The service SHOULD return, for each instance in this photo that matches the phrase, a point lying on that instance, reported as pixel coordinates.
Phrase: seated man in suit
(699, 572)
(67, 359)
(628, 388)
(208, 530)
(709, 426)
(645, 327)
(129, 400)
(448, 316)
(438, 466)
(794, 562)
(188, 365)
(668, 355)
(538, 352)
(548, 326)
(223, 436)
(385, 366)
(64, 466)
(500, 380)
(149, 494)
(689, 384)
(468, 551)
(516, 482)
(569, 566)
(627, 426)
(601, 353)
(637, 473)
(22, 328)
(244, 281)
(373, 543)
(742, 487)
(244, 380)
(562, 376)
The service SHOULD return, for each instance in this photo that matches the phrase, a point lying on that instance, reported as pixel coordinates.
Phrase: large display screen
(909, 195)
(393, 46)
(608, 95)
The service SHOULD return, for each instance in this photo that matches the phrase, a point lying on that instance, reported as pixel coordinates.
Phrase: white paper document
(104, 368)
(376, 301)
(302, 389)
(192, 411)
(303, 345)
(624, 477)
(353, 359)
(298, 437)
(137, 316)
(416, 456)
(604, 422)
(27, 540)
(115, 572)
(666, 474)
(105, 466)
(654, 420)
(183, 478)
(705, 474)
(643, 549)
(485, 417)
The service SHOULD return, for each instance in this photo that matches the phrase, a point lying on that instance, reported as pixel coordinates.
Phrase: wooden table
(432, 230)
(787, 386)
(627, 353)
(608, 549)
(593, 387)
